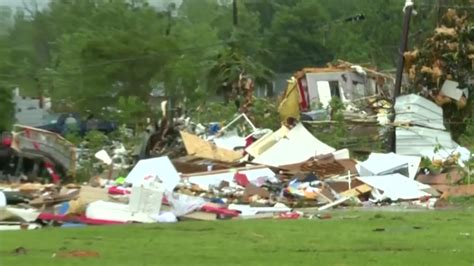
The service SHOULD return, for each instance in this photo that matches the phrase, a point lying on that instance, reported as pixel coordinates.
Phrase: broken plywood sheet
(201, 148)
(296, 147)
(457, 191)
(89, 194)
(324, 166)
(357, 191)
(340, 186)
(452, 177)
(396, 186)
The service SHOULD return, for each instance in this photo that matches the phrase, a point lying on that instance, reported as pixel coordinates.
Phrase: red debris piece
(79, 254)
(219, 210)
(78, 219)
(241, 179)
(115, 190)
(50, 168)
(289, 215)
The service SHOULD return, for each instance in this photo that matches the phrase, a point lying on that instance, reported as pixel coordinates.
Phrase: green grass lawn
(348, 238)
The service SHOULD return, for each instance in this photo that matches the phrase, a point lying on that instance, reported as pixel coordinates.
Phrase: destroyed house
(313, 88)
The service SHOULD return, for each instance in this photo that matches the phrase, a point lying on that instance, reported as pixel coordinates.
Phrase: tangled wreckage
(311, 90)
(282, 174)
(190, 171)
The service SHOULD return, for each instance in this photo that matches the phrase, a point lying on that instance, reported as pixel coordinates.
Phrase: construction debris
(310, 91)
(239, 171)
(255, 174)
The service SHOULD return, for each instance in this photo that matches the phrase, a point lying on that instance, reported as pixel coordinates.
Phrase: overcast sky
(43, 3)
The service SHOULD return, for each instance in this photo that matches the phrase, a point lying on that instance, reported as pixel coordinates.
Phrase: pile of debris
(286, 174)
(363, 91)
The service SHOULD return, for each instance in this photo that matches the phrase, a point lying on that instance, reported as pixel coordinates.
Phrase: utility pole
(408, 9)
(235, 13)
(438, 12)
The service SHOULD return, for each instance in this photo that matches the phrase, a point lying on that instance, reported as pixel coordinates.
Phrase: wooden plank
(200, 216)
(333, 204)
(359, 190)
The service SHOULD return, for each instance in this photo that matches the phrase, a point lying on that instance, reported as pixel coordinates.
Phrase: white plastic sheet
(103, 156)
(396, 186)
(3, 200)
(147, 170)
(298, 146)
(388, 163)
(165, 217)
(183, 204)
(246, 210)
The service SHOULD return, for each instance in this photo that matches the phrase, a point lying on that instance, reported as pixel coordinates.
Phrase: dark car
(72, 122)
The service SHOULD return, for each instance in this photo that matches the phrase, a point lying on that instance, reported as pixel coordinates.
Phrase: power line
(444, 6)
(81, 69)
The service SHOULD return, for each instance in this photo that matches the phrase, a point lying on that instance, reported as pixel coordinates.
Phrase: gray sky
(42, 3)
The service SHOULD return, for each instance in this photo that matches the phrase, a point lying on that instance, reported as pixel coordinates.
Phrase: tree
(295, 36)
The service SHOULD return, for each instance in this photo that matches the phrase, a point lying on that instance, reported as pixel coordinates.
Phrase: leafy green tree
(6, 109)
(295, 36)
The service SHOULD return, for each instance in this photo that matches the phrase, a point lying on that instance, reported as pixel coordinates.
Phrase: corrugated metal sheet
(414, 140)
(416, 110)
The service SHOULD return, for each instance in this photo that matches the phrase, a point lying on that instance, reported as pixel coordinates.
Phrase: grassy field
(348, 238)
